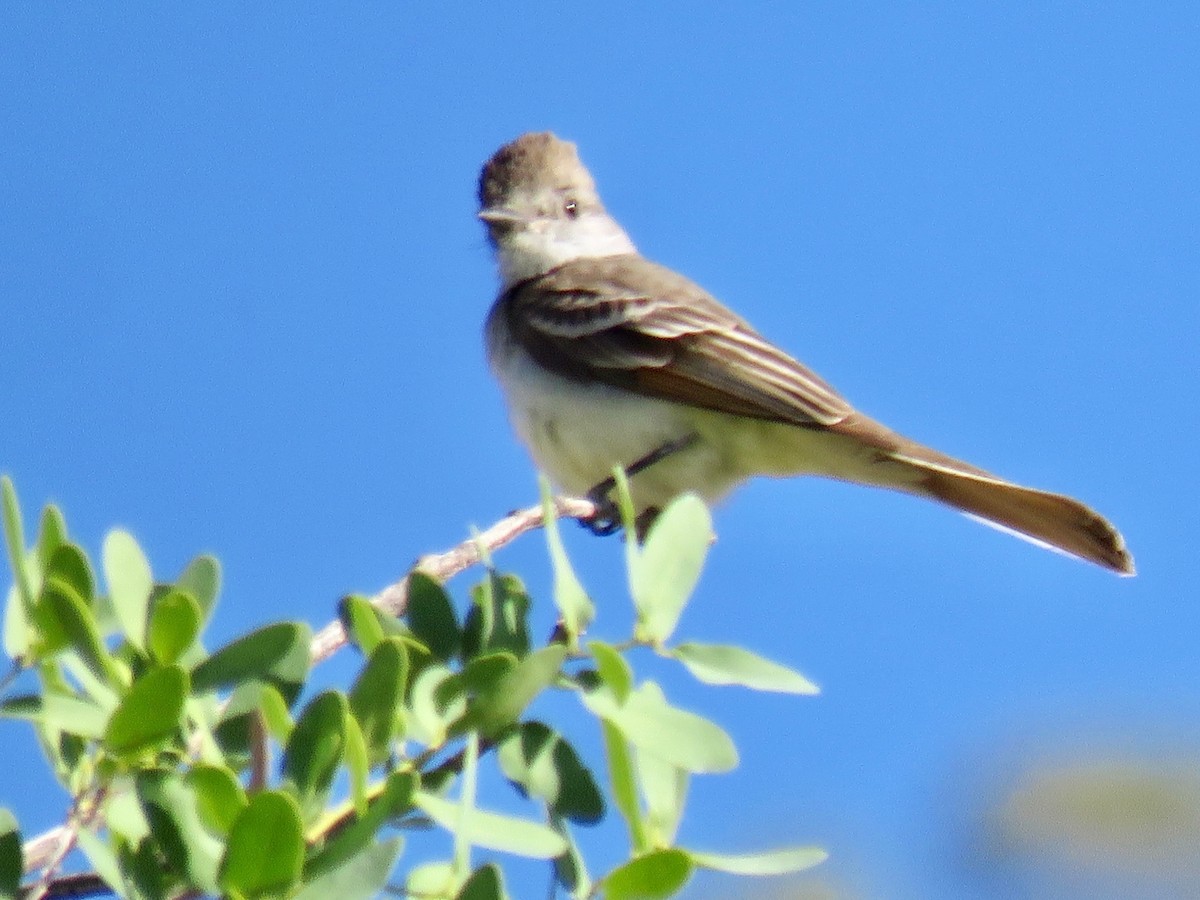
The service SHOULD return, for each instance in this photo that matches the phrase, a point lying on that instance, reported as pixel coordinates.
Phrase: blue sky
(241, 290)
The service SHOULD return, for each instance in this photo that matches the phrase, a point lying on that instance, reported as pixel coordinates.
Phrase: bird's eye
(571, 208)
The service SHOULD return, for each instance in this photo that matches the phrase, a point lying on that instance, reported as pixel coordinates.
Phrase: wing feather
(626, 321)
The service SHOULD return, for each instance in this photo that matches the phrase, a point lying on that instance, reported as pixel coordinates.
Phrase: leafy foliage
(161, 742)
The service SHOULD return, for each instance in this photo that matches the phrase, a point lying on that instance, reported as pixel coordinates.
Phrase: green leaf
(498, 618)
(73, 619)
(665, 572)
(348, 841)
(378, 694)
(275, 713)
(664, 787)
(315, 749)
(682, 738)
(103, 860)
(722, 664)
(362, 877)
(771, 862)
(129, 583)
(432, 713)
(545, 766)
(174, 625)
(104, 694)
(172, 809)
(493, 830)
(360, 619)
(150, 714)
(624, 786)
(574, 605)
(431, 879)
(486, 883)
(570, 870)
(52, 533)
(202, 580)
(516, 690)
(69, 565)
(277, 654)
(358, 765)
(142, 872)
(62, 712)
(11, 857)
(614, 670)
(266, 847)
(14, 539)
(431, 616)
(125, 818)
(662, 873)
(220, 797)
(482, 674)
(18, 634)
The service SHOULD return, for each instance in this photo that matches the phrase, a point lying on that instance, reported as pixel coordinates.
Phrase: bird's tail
(1052, 520)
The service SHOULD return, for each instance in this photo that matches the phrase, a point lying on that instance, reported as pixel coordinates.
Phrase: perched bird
(607, 359)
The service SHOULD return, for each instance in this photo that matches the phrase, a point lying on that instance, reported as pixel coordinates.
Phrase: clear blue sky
(241, 289)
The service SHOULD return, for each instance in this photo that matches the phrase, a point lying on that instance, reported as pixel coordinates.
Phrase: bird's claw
(606, 519)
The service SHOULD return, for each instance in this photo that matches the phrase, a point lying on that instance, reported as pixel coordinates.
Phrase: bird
(608, 359)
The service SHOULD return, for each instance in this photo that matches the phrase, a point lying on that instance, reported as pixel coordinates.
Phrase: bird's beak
(498, 215)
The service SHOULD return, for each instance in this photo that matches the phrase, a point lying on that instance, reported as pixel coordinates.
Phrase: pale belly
(577, 433)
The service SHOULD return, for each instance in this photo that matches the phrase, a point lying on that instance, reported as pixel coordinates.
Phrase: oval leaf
(572, 600)
(346, 843)
(129, 583)
(220, 797)
(378, 693)
(315, 748)
(202, 579)
(545, 766)
(361, 621)
(14, 541)
(495, 831)
(150, 714)
(277, 654)
(171, 808)
(614, 670)
(486, 883)
(174, 625)
(665, 788)
(431, 616)
(660, 874)
(64, 712)
(52, 533)
(498, 618)
(363, 877)
(266, 847)
(682, 738)
(68, 563)
(358, 763)
(516, 690)
(771, 862)
(11, 860)
(663, 575)
(721, 664)
(74, 621)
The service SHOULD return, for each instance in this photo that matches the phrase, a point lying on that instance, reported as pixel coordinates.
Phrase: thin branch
(444, 566)
(83, 811)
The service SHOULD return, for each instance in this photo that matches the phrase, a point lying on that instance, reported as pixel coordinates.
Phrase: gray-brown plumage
(604, 353)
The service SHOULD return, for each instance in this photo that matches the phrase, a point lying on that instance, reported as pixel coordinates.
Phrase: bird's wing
(626, 321)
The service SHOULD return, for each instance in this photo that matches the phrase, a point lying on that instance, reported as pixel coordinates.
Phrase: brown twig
(85, 808)
(444, 566)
